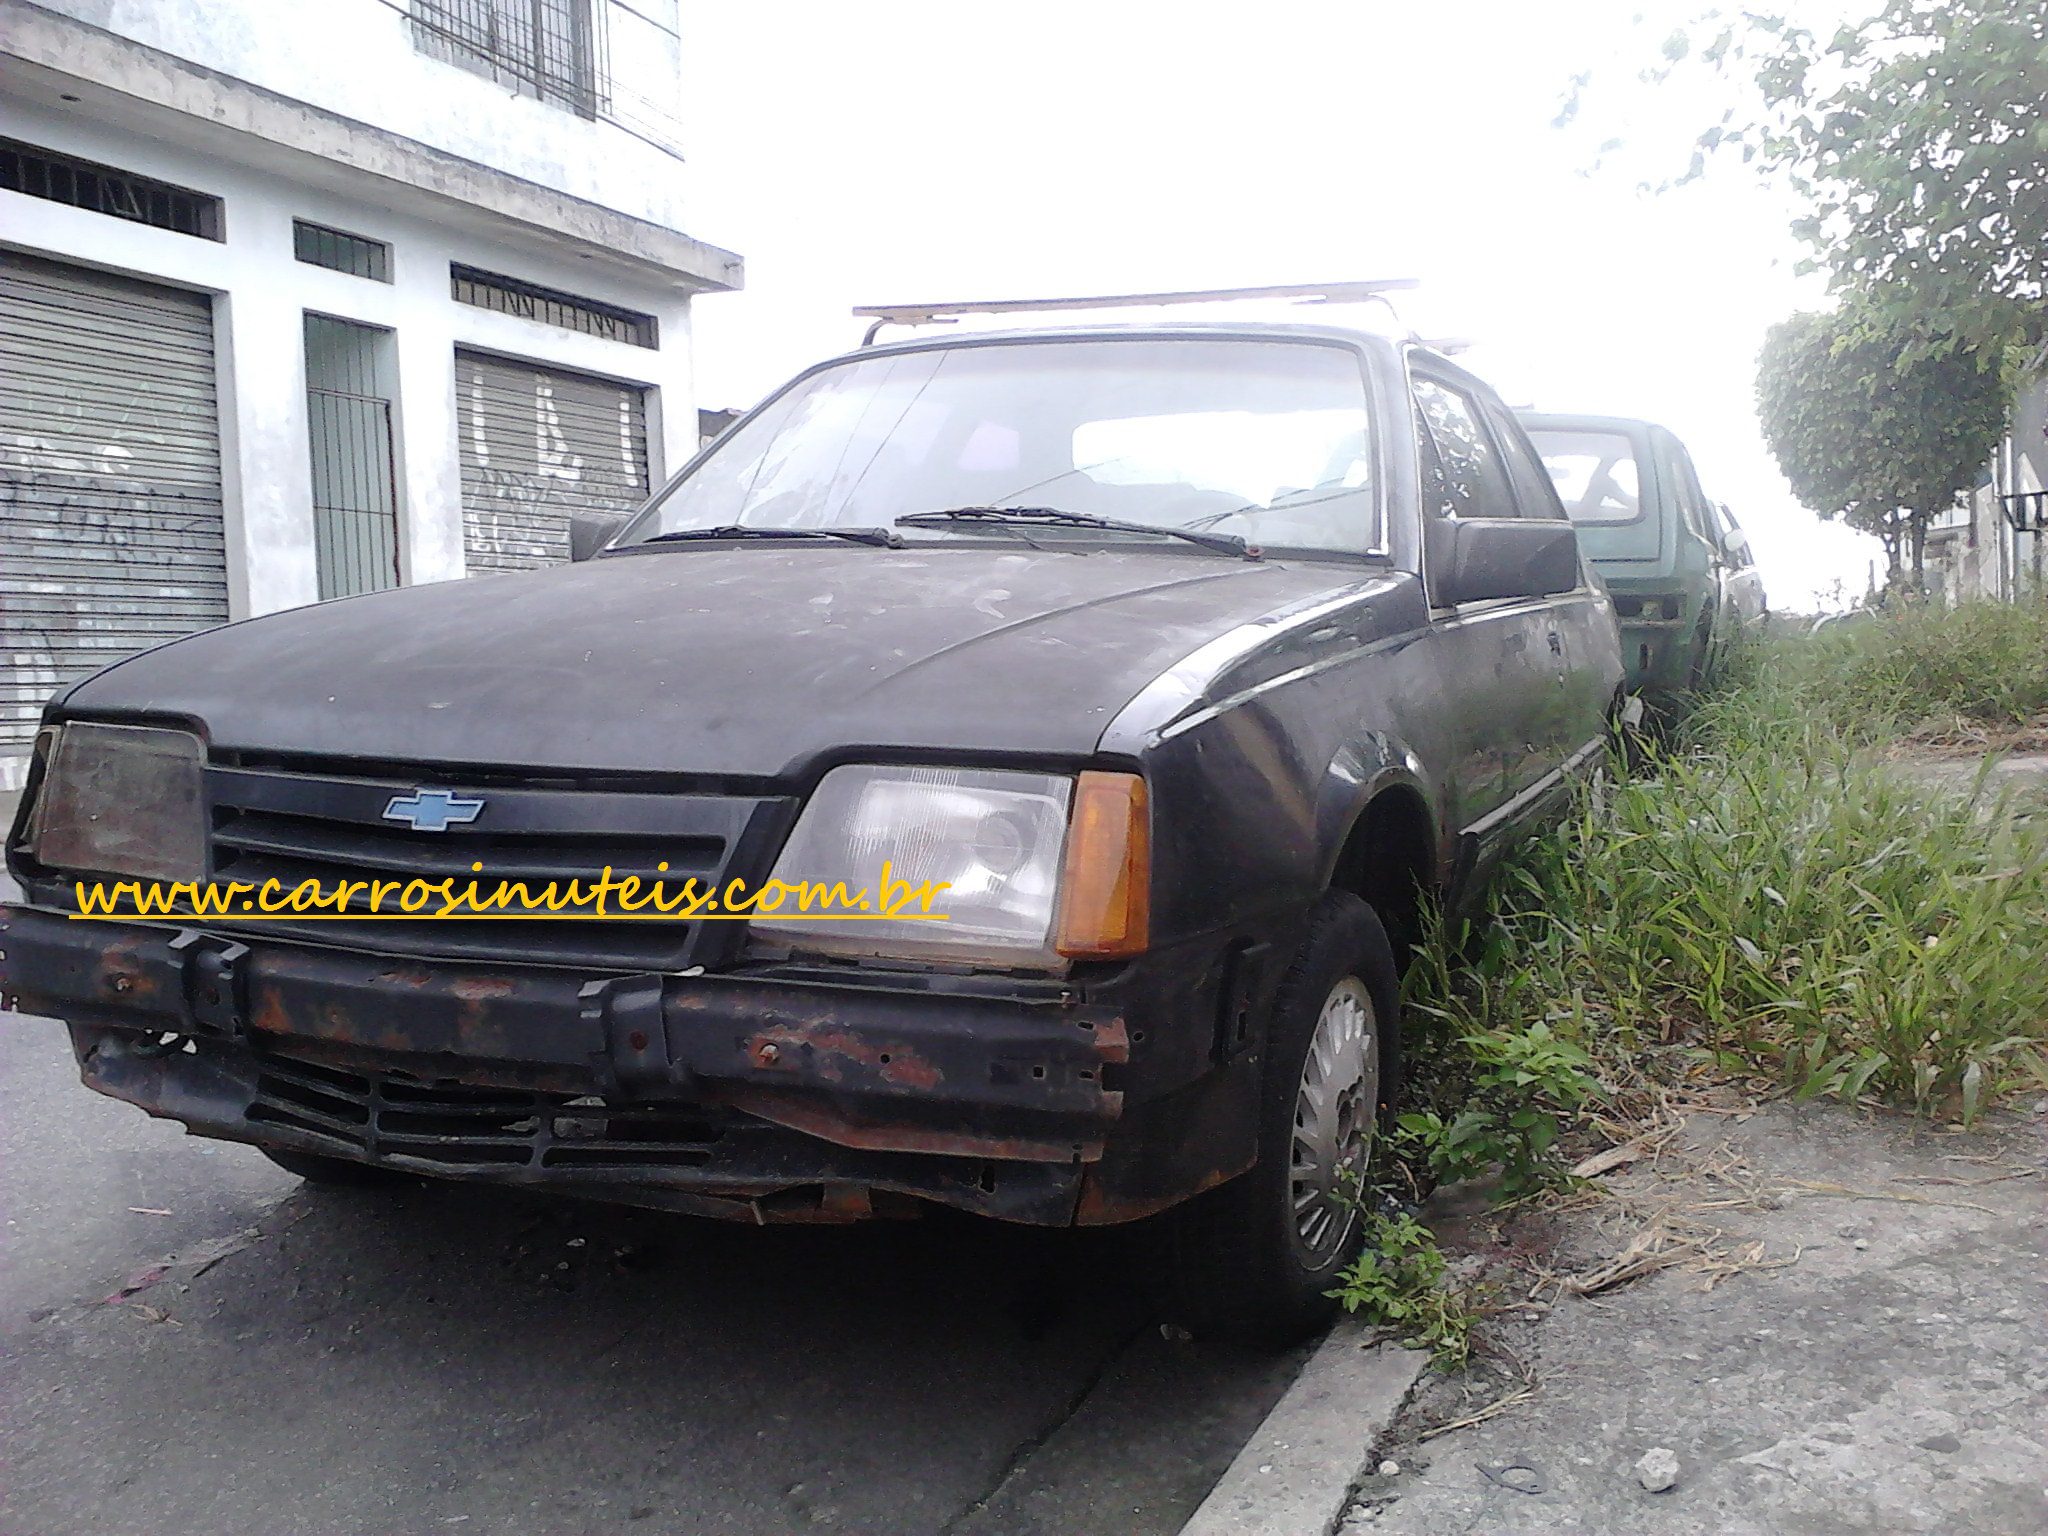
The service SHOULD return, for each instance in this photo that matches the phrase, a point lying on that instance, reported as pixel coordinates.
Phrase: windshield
(1269, 441)
(1594, 472)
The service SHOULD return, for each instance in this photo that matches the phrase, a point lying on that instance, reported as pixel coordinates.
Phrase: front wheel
(1255, 1260)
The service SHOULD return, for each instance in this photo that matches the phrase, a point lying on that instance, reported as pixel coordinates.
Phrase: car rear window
(1594, 472)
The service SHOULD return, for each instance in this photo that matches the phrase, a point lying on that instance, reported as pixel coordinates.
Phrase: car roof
(1575, 422)
(1237, 330)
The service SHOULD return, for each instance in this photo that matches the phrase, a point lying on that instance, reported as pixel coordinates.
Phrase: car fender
(1357, 776)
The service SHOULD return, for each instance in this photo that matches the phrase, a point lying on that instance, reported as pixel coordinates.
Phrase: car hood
(743, 660)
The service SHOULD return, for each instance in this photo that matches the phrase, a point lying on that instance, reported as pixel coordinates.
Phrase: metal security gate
(355, 489)
(538, 444)
(110, 498)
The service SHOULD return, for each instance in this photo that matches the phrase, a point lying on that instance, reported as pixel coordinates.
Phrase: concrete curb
(1295, 1475)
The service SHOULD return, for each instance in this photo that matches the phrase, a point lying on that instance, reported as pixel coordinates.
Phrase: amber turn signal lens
(1106, 888)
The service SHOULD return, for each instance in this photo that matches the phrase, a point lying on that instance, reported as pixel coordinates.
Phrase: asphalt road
(191, 1340)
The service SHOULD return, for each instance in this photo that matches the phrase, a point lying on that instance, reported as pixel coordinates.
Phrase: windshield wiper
(882, 537)
(1223, 543)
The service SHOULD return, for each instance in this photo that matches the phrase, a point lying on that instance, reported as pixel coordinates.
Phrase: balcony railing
(557, 51)
(2027, 511)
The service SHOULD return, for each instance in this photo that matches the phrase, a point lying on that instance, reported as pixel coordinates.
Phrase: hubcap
(1333, 1119)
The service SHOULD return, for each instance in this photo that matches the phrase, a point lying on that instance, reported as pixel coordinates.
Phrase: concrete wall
(357, 58)
(261, 295)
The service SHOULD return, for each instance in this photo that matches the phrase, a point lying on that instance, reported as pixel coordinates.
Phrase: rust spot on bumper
(818, 1117)
(829, 1050)
(1100, 1206)
(1113, 1042)
(124, 978)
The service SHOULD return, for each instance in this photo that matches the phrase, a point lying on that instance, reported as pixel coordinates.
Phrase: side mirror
(1502, 557)
(589, 532)
(1734, 541)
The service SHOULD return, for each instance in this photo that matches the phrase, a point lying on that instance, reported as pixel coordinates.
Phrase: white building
(1994, 544)
(304, 300)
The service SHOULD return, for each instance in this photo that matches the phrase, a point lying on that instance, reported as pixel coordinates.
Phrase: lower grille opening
(460, 1154)
(289, 1096)
(467, 1127)
(625, 1157)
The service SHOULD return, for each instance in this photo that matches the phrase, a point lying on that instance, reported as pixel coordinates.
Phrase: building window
(549, 49)
(349, 390)
(339, 251)
(550, 306)
(87, 184)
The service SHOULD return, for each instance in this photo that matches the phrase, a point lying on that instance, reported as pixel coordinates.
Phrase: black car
(1190, 662)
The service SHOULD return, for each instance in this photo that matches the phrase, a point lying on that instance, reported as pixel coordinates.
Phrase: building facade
(1994, 544)
(304, 301)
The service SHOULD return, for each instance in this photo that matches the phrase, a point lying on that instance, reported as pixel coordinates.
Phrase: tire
(332, 1172)
(1248, 1262)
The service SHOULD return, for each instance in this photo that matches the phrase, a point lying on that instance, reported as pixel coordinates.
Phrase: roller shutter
(111, 537)
(538, 444)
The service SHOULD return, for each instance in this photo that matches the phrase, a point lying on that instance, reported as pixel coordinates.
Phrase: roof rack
(946, 314)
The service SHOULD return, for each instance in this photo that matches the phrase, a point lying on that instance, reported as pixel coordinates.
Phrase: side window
(1436, 491)
(1535, 491)
(1472, 481)
(1692, 500)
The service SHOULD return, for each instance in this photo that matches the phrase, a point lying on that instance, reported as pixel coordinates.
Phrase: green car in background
(1679, 566)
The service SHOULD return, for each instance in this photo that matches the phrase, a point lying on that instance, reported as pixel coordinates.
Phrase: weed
(1772, 899)
(1399, 1281)
(1915, 670)
(1775, 899)
(1517, 1083)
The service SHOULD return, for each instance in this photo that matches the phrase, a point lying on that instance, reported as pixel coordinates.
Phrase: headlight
(121, 800)
(999, 843)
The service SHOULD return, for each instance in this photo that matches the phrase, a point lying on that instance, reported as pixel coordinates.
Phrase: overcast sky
(894, 150)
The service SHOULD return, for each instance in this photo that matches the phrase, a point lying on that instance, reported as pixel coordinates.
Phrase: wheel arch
(1389, 856)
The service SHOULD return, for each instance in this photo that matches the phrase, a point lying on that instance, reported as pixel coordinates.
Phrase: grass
(1781, 906)
(1775, 898)
(1977, 670)
(1775, 901)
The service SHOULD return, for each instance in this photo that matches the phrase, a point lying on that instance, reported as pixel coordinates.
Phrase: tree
(1920, 139)
(1879, 421)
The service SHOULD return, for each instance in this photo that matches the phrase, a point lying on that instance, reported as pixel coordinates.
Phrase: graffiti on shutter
(111, 536)
(538, 444)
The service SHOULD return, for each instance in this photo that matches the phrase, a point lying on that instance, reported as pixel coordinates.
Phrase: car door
(1698, 563)
(1569, 724)
(1496, 665)
(1745, 583)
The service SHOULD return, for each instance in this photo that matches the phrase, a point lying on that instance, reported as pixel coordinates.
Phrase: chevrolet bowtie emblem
(432, 810)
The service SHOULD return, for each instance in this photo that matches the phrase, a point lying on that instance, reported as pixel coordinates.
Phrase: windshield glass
(1266, 440)
(1594, 472)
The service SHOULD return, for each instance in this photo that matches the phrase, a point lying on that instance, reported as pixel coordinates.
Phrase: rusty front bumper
(760, 1097)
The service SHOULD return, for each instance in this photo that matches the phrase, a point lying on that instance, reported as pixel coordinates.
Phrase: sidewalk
(1848, 1337)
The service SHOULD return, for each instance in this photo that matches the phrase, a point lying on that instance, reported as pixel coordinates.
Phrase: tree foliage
(1919, 138)
(1879, 421)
